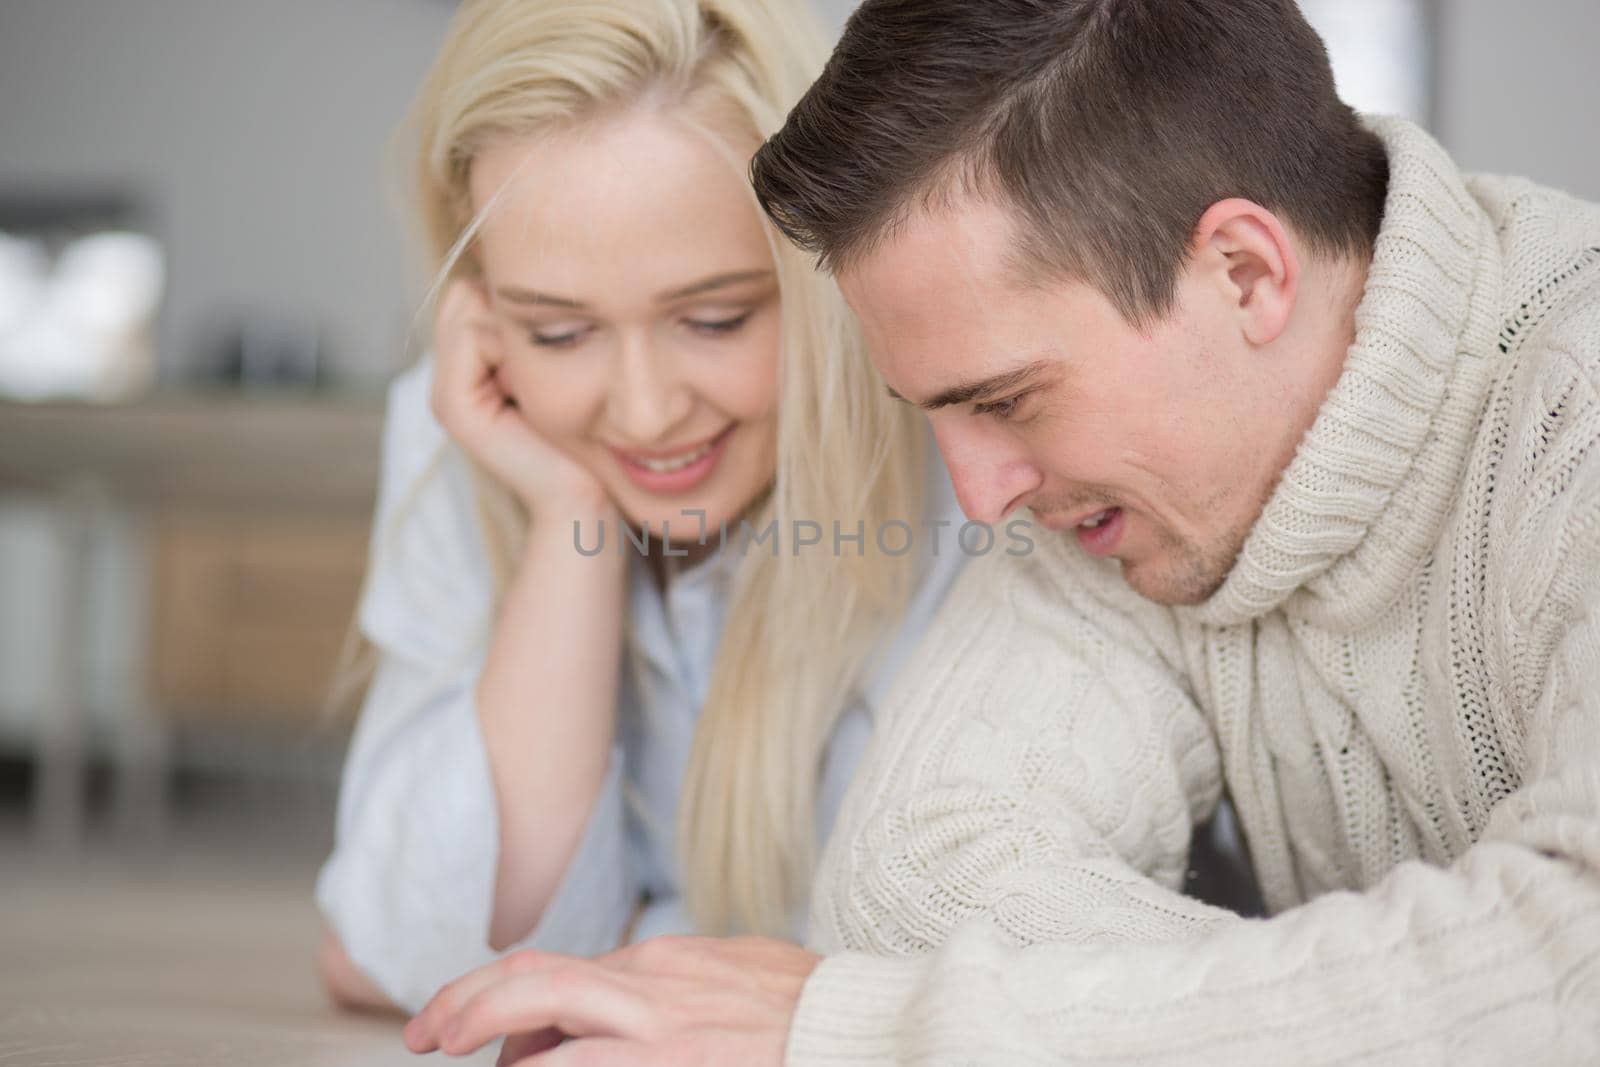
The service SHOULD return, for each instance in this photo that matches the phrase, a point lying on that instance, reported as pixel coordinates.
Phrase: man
(1318, 420)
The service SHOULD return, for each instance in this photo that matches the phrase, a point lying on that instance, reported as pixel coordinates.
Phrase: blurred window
(79, 293)
(1380, 51)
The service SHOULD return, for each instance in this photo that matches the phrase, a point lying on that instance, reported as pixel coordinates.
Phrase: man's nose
(992, 473)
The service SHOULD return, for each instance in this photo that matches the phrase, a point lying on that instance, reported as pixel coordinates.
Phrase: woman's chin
(692, 524)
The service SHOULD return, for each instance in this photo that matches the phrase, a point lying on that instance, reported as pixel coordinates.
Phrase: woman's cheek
(752, 394)
(548, 405)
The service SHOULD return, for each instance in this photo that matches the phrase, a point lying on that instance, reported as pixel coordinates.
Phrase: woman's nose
(649, 396)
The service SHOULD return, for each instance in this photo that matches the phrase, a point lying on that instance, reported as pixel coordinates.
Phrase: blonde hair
(801, 626)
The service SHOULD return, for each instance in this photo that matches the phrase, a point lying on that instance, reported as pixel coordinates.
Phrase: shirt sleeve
(409, 885)
(992, 908)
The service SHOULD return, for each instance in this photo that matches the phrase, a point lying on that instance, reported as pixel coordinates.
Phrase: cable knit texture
(1399, 683)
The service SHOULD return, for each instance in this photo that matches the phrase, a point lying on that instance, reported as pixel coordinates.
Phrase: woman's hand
(546, 697)
(474, 407)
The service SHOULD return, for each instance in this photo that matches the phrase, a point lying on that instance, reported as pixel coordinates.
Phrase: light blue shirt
(409, 887)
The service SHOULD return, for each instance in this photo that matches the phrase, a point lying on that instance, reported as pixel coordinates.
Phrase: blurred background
(205, 284)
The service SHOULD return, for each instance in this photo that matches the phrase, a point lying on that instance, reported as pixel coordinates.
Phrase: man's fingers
(577, 998)
(519, 1047)
(425, 1032)
(594, 1052)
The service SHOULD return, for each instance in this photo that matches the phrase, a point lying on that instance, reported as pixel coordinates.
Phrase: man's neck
(1330, 292)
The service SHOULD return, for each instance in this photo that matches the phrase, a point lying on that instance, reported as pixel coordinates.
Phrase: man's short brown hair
(1107, 126)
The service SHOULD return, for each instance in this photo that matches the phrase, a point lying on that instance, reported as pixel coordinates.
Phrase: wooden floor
(172, 958)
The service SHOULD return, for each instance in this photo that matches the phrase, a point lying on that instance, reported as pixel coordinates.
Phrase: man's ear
(1255, 264)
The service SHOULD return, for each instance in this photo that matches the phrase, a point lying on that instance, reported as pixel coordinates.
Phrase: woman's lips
(672, 474)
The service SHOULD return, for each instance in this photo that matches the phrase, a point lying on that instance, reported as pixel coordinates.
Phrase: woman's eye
(561, 339)
(718, 326)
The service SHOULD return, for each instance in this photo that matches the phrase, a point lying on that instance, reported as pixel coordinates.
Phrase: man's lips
(1072, 520)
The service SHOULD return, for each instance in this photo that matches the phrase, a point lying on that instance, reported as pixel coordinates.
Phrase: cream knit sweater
(1399, 684)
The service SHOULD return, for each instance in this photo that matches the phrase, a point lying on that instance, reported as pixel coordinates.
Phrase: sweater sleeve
(1492, 959)
(1030, 768)
(409, 885)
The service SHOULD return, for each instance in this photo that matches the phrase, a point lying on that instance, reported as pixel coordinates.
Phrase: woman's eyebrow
(515, 295)
(715, 282)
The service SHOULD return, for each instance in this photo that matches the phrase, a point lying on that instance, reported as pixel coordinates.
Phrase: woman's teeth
(676, 463)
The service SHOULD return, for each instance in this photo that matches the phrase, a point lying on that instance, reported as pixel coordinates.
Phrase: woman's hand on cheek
(675, 1000)
(474, 408)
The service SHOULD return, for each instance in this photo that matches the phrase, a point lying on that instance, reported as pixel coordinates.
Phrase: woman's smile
(677, 471)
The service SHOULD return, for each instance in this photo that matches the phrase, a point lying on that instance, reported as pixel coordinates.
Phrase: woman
(571, 741)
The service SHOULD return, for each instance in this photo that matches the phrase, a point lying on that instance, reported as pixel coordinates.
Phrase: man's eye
(1000, 409)
(718, 326)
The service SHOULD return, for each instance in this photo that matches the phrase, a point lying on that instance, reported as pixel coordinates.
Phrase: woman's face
(633, 286)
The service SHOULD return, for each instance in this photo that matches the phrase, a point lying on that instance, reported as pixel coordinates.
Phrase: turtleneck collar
(1361, 504)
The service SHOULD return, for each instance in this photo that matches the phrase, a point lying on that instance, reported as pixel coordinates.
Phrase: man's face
(1154, 447)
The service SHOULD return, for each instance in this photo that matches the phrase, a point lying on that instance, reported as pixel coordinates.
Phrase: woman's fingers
(465, 358)
(480, 412)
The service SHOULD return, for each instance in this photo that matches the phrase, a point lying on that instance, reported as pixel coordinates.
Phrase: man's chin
(1169, 583)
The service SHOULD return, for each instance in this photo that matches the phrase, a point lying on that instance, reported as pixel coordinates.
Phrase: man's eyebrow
(514, 295)
(991, 388)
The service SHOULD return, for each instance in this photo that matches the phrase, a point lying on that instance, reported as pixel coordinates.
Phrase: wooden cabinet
(252, 515)
(251, 615)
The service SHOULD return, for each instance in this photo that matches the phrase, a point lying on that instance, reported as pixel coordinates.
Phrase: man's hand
(670, 1000)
